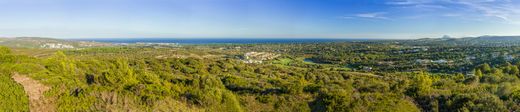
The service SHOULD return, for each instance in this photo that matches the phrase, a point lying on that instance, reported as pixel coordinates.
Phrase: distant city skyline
(371, 19)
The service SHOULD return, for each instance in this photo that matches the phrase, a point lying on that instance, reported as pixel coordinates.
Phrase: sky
(382, 19)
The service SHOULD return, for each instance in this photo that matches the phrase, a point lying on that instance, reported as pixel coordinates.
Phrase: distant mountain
(499, 38)
(446, 37)
(468, 41)
(39, 42)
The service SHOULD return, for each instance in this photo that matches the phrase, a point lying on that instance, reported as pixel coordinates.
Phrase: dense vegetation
(213, 78)
(12, 96)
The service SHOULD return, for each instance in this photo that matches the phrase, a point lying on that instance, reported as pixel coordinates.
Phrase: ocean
(216, 40)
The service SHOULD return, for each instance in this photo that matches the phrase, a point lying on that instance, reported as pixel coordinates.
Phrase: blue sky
(390, 19)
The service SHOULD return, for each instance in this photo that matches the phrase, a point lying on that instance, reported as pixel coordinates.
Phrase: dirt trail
(34, 90)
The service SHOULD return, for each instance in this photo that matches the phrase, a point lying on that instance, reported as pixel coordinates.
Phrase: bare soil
(35, 90)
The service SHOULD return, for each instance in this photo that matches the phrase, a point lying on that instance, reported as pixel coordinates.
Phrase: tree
(485, 68)
(515, 96)
(514, 70)
(478, 73)
(336, 100)
(424, 83)
(4, 50)
(421, 85)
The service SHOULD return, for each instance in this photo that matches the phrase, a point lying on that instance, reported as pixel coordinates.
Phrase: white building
(56, 46)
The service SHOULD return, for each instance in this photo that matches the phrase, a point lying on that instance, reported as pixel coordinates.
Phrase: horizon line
(234, 37)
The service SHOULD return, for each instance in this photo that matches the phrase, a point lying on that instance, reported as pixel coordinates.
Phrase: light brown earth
(35, 90)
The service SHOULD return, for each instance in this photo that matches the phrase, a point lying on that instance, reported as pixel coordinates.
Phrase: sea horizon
(222, 40)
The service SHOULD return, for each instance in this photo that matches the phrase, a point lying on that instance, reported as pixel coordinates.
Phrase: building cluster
(258, 57)
(92, 44)
(424, 61)
(152, 43)
(157, 45)
(414, 49)
(56, 46)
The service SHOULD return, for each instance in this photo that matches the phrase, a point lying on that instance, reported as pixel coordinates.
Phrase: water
(308, 60)
(216, 40)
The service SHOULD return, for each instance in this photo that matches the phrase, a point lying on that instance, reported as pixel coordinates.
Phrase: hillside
(468, 41)
(499, 38)
(38, 42)
(317, 77)
(340, 76)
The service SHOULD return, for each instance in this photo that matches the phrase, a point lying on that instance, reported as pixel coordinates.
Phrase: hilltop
(41, 42)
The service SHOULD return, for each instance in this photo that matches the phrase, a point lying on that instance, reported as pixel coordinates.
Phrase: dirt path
(34, 90)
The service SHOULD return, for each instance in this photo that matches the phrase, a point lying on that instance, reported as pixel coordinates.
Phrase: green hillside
(344, 76)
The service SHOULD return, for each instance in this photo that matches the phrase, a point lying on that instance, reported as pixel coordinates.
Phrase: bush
(12, 95)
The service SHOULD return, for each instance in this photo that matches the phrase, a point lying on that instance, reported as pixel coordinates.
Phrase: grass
(283, 61)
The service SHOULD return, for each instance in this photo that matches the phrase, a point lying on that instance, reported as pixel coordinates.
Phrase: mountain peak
(446, 37)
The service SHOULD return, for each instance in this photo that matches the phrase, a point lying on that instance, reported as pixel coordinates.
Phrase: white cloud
(375, 15)
(372, 15)
(502, 10)
(408, 2)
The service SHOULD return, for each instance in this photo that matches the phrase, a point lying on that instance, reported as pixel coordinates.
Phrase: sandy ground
(34, 90)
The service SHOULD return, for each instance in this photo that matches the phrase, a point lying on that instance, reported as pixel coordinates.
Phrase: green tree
(337, 100)
(4, 50)
(478, 73)
(514, 70)
(485, 68)
(422, 85)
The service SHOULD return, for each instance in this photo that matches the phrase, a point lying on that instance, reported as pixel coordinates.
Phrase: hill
(467, 41)
(39, 42)
(499, 38)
